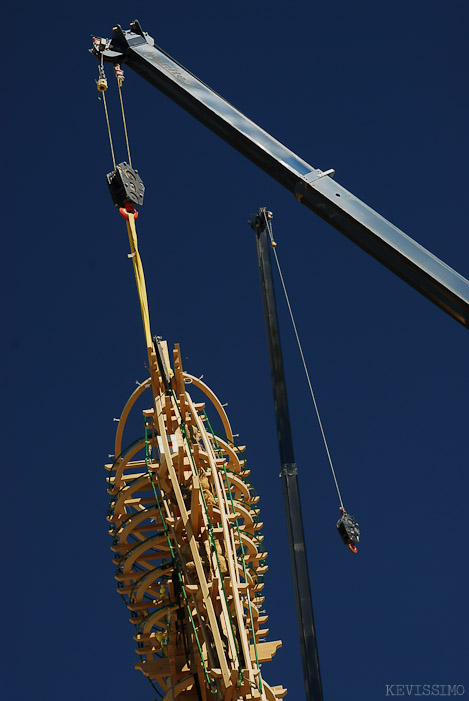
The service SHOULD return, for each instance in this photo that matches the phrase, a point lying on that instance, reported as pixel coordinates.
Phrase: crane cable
(300, 348)
(119, 73)
(102, 86)
(128, 212)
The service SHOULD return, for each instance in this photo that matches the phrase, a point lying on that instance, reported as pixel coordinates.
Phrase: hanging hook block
(125, 186)
(349, 530)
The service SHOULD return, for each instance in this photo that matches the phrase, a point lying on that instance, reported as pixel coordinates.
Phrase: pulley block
(125, 186)
(349, 530)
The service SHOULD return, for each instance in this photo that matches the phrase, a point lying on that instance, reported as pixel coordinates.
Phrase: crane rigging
(202, 565)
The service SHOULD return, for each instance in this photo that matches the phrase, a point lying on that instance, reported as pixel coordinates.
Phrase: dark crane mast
(289, 469)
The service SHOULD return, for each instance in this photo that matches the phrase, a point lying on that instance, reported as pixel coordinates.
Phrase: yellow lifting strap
(139, 278)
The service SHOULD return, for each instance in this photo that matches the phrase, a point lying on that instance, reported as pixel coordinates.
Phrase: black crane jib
(311, 186)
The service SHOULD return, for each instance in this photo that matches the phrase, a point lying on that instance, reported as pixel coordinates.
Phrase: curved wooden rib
(190, 379)
(187, 545)
(125, 413)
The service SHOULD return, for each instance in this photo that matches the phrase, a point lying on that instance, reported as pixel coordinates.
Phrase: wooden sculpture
(186, 538)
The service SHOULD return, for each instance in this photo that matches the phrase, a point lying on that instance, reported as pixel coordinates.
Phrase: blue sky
(378, 94)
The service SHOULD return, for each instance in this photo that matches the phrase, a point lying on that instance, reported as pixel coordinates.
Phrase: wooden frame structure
(186, 538)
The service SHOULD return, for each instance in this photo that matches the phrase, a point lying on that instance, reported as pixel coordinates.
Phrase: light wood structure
(188, 548)
(186, 538)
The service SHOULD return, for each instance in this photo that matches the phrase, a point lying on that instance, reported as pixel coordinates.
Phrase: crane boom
(311, 186)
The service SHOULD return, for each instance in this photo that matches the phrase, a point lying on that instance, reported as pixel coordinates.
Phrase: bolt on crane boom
(312, 187)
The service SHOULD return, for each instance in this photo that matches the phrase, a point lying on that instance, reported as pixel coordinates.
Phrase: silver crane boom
(312, 187)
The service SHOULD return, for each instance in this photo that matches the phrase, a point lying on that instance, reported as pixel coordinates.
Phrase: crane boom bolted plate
(311, 186)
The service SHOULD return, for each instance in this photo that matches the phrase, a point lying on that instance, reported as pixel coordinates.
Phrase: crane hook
(349, 530)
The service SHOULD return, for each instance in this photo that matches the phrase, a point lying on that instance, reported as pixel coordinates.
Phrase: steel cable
(300, 348)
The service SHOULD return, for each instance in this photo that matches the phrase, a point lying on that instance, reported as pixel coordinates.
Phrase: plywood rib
(187, 545)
